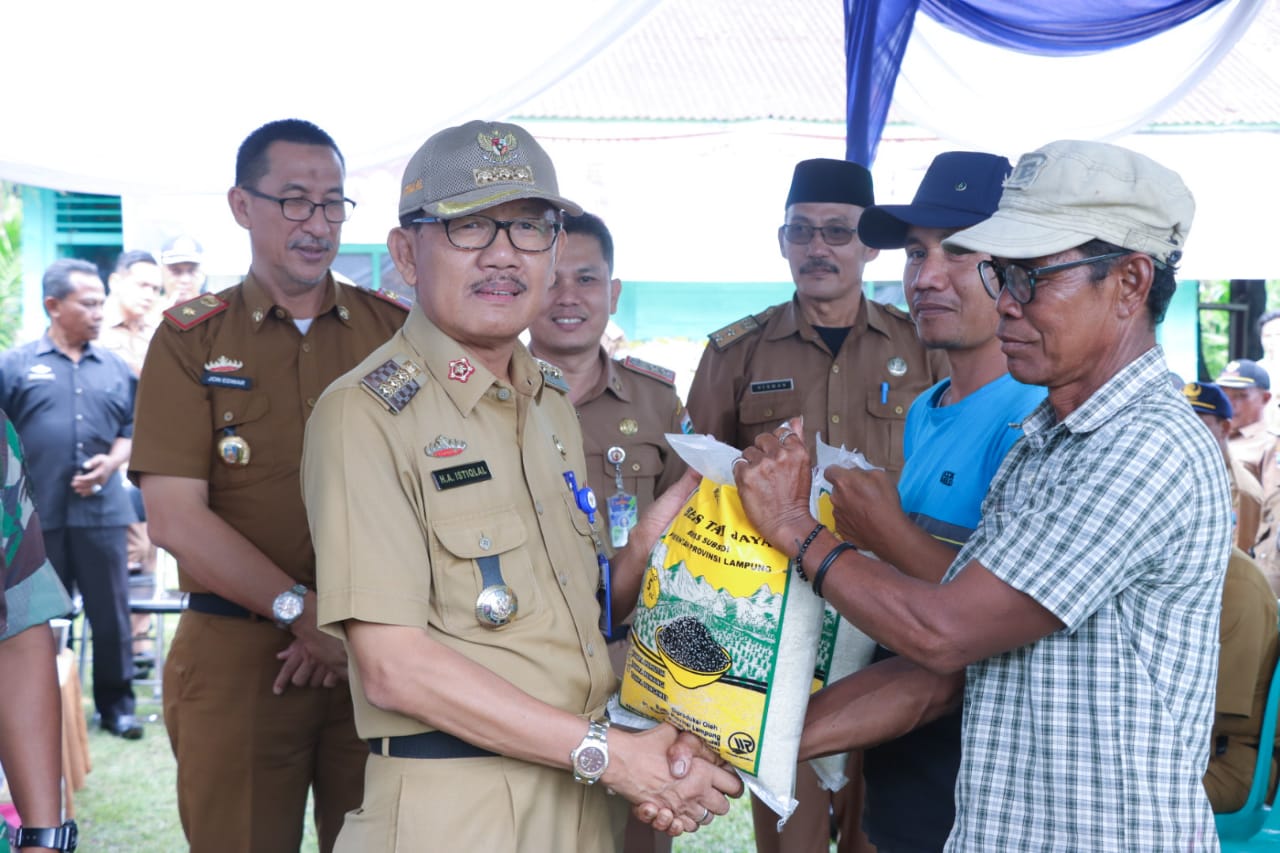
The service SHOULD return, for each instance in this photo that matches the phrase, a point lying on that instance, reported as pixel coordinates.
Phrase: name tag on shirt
(462, 475)
(772, 385)
(222, 380)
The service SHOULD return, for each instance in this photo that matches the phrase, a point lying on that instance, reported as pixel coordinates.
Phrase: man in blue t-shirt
(957, 433)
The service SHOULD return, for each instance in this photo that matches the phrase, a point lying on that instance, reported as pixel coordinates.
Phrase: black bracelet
(821, 574)
(804, 546)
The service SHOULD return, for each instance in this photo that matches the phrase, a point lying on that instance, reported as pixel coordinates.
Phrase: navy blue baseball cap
(1207, 399)
(1244, 373)
(960, 189)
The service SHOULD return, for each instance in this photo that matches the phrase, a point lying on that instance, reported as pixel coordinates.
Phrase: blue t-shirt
(952, 454)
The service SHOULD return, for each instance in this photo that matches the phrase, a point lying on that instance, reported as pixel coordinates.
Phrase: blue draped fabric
(877, 32)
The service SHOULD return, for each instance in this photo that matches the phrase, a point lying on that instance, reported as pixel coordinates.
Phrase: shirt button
(226, 416)
(537, 506)
(635, 466)
(591, 649)
(564, 580)
(897, 410)
(79, 417)
(311, 401)
(79, 390)
(835, 368)
(768, 413)
(306, 347)
(504, 394)
(835, 419)
(279, 312)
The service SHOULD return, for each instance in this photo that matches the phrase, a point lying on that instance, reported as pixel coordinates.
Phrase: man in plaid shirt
(1085, 606)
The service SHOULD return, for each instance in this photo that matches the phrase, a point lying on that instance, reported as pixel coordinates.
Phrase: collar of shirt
(47, 346)
(1118, 392)
(610, 380)
(437, 352)
(261, 306)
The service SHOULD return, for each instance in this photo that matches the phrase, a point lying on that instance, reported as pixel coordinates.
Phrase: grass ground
(129, 801)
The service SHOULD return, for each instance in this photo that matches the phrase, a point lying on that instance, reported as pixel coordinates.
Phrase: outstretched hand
(774, 478)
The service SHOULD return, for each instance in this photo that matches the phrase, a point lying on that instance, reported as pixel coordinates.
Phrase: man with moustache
(849, 365)
(72, 404)
(459, 555)
(256, 704)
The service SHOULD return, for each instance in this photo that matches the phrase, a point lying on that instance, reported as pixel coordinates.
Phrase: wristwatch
(591, 758)
(288, 605)
(63, 837)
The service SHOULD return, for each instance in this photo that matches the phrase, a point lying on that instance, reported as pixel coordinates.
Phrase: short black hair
(589, 223)
(251, 159)
(1267, 317)
(135, 256)
(57, 278)
(1162, 286)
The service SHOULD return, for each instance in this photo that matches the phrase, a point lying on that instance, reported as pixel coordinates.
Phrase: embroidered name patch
(462, 475)
(243, 383)
(772, 385)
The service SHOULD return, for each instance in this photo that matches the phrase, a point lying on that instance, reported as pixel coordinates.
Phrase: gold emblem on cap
(628, 426)
(897, 366)
(497, 147)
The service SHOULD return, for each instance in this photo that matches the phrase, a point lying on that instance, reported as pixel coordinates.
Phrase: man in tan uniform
(1248, 387)
(625, 407)
(456, 547)
(1215, 412)
(226, 389)
(850, 366)
(134, 289)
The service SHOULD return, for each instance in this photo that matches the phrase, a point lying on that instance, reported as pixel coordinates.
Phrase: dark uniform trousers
(264, 749)
(92, 559)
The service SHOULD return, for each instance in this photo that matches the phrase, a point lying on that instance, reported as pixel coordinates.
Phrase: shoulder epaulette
(653, 371)
(553, 376)
(388, 296)
(896, 312)
(193, 312)
(736, 331)
(393, 384)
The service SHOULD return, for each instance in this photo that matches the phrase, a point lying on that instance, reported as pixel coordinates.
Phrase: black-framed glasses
(801, 233)
(477, 232)
(297, 209)
(1021, 281)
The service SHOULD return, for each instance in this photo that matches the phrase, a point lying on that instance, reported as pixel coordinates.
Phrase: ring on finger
(784, 435)
(739, 461)
(706, 817)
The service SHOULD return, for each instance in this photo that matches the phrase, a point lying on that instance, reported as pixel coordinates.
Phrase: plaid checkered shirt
(1118, 521)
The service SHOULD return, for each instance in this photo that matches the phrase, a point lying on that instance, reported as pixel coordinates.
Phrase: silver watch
(288, 605)
(591, 758)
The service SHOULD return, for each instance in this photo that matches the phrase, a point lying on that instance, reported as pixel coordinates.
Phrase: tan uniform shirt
(403, 508)
(129, 344)
(632, 407)
(1250, 444)
(764, 369)
(242, 366)
(1246, 660)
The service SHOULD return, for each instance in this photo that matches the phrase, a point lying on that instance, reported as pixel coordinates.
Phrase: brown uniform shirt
(632, 406)
(406, 508)
(772, 366)
(1246, 660)
(235, 362)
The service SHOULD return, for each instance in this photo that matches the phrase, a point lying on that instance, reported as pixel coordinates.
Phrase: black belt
(216, 605)
(426, 745)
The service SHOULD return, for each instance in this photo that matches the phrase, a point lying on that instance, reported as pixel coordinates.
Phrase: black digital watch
(63, 837)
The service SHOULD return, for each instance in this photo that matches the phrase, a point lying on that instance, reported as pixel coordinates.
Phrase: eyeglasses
(296, 209)
(802, 233)
(1021, 281)
(478, 232)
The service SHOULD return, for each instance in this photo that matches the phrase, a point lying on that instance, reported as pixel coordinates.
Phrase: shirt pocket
(760, 413)
(456, 578)
(888, 422)
(640, 472)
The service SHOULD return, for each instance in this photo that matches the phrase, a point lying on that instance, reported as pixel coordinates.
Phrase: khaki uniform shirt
(632, 406)
(129, 344)
(772, 366)
(235, 362)
(1249, 444)
(404, 506)
(1246, 660)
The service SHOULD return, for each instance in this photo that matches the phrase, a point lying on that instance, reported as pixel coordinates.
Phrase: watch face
(288, 606)
(592, 761)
